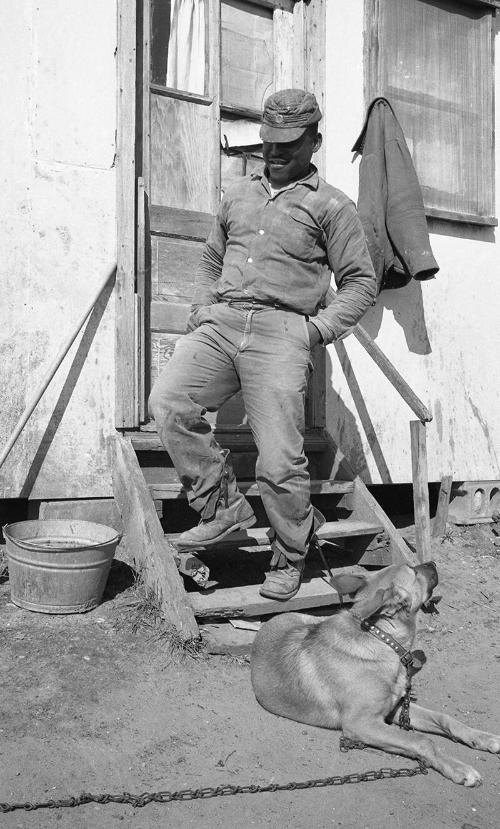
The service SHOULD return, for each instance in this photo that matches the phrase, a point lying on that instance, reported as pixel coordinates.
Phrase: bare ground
(101, 703)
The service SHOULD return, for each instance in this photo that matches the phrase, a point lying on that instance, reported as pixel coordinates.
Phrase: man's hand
(314, 335)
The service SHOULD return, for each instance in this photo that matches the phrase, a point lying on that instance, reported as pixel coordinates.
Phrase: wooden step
(344, 528)
(163, 490)
(234, 602)
(237, 439)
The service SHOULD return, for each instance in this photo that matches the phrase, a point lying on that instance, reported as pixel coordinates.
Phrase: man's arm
(210, 266)
(350, 261)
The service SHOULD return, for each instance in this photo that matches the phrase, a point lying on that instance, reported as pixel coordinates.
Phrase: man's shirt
(282, 249)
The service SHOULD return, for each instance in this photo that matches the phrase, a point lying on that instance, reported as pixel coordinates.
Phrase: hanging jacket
(390, 202)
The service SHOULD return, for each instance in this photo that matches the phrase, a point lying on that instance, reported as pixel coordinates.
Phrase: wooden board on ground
(150, 552)
(441, 517)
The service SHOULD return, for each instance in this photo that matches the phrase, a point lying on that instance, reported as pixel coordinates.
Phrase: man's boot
(283, 580)
(238, 515)
(283, 583)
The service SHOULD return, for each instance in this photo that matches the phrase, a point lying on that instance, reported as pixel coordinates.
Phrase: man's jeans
(265, 352)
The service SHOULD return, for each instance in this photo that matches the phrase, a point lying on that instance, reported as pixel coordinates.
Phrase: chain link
(140, 800)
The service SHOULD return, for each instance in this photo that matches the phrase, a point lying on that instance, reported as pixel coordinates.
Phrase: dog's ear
(388, 599)
(370, 605)
(348, 583)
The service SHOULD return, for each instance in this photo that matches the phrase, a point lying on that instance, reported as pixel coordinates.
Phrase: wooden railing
(418, 441)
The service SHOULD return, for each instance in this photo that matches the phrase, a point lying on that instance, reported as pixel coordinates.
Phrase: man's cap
(287, 114)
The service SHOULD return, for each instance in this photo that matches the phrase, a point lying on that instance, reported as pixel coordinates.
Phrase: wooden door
(200, 132)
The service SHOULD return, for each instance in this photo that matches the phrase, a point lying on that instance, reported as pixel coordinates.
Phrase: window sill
(168, 92)
(233, 111)
(463, 218)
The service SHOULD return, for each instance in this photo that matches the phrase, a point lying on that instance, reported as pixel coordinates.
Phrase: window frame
(373, 67)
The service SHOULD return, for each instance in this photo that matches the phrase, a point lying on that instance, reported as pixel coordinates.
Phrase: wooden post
(145, 541)
(420, 490)
(441, 517)
(126, 363)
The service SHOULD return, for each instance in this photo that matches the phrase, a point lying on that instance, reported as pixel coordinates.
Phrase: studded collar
(405, 656)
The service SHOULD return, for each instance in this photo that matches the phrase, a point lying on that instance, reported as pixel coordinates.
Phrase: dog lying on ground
(342, 672)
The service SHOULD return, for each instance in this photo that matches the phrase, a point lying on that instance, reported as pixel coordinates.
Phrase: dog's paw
(486, 742)
(493, 744)
(466, 776)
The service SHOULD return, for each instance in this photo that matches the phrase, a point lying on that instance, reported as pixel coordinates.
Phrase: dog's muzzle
(429, 571)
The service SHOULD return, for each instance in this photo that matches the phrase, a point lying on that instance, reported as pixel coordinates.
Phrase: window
(246, 54)
(433, 60)
(178, 44)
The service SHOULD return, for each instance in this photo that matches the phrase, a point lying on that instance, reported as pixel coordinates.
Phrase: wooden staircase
(357, 533)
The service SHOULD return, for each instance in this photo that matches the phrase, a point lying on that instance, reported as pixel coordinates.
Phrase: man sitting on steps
(258, 310)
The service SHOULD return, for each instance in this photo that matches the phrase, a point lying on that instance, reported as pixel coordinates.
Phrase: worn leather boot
(237, 516)
(283, 583)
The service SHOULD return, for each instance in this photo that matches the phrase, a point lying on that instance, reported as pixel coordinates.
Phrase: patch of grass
(146, 615)
(449, 535)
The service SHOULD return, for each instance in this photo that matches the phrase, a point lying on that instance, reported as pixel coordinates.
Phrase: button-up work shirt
(281, 249)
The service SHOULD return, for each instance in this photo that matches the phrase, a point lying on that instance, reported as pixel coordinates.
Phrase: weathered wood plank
(232, 602)
(181, 154)
(151, 553)
(314, 38)
(176, 222)
(346, 528)
(169, 316)
(173, 489)
(125, 364)
(441, 517)
(420, 490)
(177, 260)
(237, 439)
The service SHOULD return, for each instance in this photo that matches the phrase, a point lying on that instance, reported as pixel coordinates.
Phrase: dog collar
(405, 656)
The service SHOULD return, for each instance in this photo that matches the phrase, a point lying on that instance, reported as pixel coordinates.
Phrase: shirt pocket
(298, 233)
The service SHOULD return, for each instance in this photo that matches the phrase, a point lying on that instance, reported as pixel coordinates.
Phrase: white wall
(442, 335)
(57, 237)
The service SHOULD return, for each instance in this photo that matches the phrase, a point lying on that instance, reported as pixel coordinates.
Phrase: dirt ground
(100, 703)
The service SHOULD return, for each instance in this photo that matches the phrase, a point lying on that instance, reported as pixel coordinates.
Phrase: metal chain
(140, 800)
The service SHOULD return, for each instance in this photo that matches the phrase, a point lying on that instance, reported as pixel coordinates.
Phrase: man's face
(290, 160)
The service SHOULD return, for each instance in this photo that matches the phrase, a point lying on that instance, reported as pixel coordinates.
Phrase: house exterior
(122, 123)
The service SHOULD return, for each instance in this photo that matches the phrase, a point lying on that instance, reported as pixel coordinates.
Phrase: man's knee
(280, 467)
(164, 404)
(173, 408)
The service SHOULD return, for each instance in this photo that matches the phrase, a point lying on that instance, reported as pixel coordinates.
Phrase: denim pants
(263, 351)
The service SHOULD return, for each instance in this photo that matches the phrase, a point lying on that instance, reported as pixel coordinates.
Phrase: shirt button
(261, 232)
(250, 259)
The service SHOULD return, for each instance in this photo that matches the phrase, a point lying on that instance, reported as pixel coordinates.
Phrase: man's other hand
(314, 335)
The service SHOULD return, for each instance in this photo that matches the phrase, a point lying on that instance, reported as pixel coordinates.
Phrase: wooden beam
(392, 374)
(125, 403)
(150, 552)
(420, 490)
(441, 517)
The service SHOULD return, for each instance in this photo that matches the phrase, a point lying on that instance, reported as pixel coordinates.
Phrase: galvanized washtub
(59, 566)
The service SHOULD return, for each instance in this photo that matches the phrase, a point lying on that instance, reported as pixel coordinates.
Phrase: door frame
(132, 189)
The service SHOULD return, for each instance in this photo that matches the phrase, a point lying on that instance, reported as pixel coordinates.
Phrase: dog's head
(397, 589)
